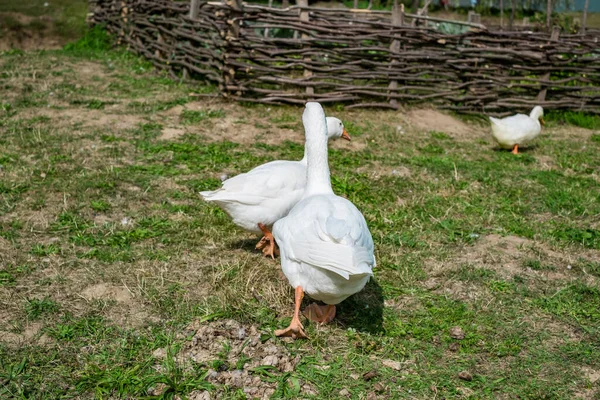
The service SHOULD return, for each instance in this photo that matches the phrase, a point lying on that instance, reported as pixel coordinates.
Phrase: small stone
(237, 378)
(159, 353)
(465, 376)
(211, 375)
(370, 375)
(454, 346)
(223, 177)
(270, 360)
(344, 393)
(197, 395)
(456, 332)
(569, 267)
(241, 333)
(271, 349)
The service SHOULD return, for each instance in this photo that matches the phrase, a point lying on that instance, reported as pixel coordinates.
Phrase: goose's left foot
(515, 149)
(267, 242)
(295, 330)
(320, 314)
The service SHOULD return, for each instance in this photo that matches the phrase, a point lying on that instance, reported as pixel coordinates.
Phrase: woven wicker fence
(358, 57)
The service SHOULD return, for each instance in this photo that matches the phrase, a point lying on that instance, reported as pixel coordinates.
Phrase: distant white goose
(326, 247)
(256, 199)
(516, 130)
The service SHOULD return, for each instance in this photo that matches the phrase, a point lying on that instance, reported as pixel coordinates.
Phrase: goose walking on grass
(516, 130)
(325, 245)
(256, 199)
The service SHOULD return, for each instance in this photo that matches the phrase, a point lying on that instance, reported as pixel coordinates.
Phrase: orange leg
(515, 149)
(320, 314)
(295, 330)
(267, 242)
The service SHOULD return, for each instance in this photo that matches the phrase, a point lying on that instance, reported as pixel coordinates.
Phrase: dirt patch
(434, 120)
(238, 126)
(376, 170)
(87, 118)
(568, 132)
(105, 291)
(128, 312)
(507, 256)
(171, 133)
(240, 350)
(32, 335)
(87, 71)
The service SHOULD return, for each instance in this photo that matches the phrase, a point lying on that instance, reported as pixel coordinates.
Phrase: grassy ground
(116, 280)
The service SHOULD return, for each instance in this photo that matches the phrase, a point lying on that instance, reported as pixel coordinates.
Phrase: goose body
(516, 130)
(325, 245)
(268, 192)
(326, 248)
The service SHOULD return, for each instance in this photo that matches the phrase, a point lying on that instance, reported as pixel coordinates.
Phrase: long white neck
(317, 170)
(333, 131)
(536, 113)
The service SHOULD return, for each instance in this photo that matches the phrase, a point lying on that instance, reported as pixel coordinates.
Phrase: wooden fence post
(397, 20)
(232, 35)
(584, 18)
(267, 29)
(123, 22)
(304, 17)
(541, 97)
(194, 8)
(473, 17)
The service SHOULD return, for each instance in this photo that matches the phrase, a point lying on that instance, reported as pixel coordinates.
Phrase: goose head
(538, 114)
(335, 129)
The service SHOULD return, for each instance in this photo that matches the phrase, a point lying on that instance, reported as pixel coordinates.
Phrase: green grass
(588, 121)
(111, 266)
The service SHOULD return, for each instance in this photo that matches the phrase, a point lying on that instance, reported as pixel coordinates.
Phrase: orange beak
(345, 135)
(542, 122)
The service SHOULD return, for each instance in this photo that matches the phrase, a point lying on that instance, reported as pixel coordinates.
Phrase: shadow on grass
(364, 310)
(526, 149)
(245, 244)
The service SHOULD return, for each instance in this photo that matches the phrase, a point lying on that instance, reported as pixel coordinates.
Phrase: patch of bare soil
(568, 132)
(18, 31)
(434, 120)
(505, 255)
(128, 311)
(241, 350)
(240, 125)
(30, 335)
(89, 118)
(376, 170)
(171, 133)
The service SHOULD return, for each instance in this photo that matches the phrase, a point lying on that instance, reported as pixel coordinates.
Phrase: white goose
(256, 199)
(510, 132)
(326, 247)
